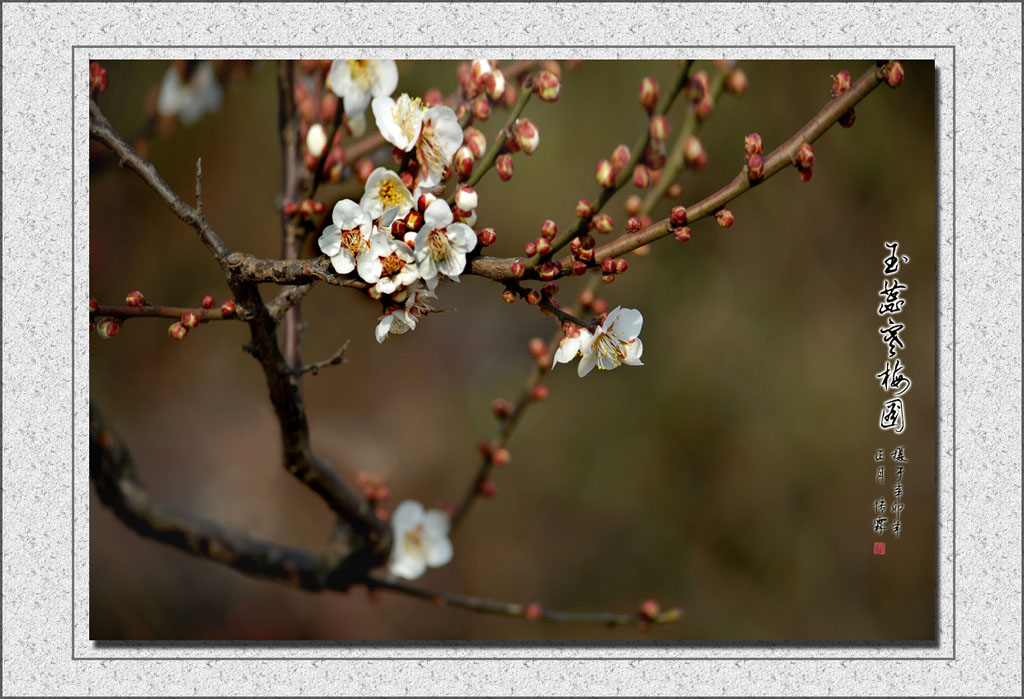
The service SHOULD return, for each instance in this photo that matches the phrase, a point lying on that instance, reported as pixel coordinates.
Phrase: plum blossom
(441, 246)
(348, 237)
(435, 134)
(571, 344)
(357, 82)
(189, 101)
(388, 265)
(384, 190)
(614, 343)
(401, 319)
(421, 540)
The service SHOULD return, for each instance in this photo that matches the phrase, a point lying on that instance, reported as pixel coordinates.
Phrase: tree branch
(288, 297)
(154, 311)
(334, 360)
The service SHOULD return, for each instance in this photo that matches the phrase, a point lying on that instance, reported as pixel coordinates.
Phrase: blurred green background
(732, 475)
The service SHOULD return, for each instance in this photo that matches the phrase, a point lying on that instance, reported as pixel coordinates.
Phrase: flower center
(389, 194)
(398, 327)
(363, 73)
(438, 244)
(611, 349)
(354, 242)
(428, 150)
(407, 113)
(414, 539)
(392, 265)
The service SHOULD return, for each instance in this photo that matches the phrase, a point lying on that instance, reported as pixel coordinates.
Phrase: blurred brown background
(732, 475)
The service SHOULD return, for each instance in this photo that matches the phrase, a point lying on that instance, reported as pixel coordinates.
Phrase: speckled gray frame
(46, 49)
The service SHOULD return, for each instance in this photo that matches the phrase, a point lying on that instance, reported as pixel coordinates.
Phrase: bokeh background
(732, 475)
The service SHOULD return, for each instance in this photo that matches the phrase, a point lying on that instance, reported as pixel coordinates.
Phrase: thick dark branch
(101, 130)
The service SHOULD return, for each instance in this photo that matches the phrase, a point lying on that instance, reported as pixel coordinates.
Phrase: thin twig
(155, 311)
(335, 359)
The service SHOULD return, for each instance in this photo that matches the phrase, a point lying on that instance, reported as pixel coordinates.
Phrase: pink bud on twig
(503, 164)
(135, 298)
(649, 93)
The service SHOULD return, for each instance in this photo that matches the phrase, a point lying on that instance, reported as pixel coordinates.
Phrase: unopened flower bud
(107, 327)
(584, 209)
(840, 83)
(432, 97)
(537, 347)
(399, 229)
(501, 457)
(600, 307)
(533, 297)
(699, 86)
(620, 157)
(650, 609)
(316, 140)
(475, 141)
(484, 447)
(319, 207)
(724, 217)
(93, 305)
(804, 158)
(675, 190)
(135, 298)
(527, 135)
(736, 82)
(508, 296)
(621, 266)
(494, 82)
(543, 246)
(530, 248)
(805, 173)
(678, 216)
(633, 204)
(755, 167)
(533, 612)
(847, 119)
(550, 289)
(608, 266)
(692, 149)
(641, 177)
(549, 271)
(649, 93)
(97, 77)
(501, 408)
(607, 278)
(486, 236)
(463, 163)
(487, 488)
(633, 225)
(364, 168)
(603, 223)
(893, 73)
(540, 393)
(605, 173)
(518, 269)
(549, 229)
(579, 268)
(414, 219)
(481, 109)
(705, 107)
(752, 144)
(682, 234)
(227, 309)
(466, 198)
(655, 156)
(177, 331)
(503, 164)
(659, 128)
(547, 86)
(586, 254)
(290, 209)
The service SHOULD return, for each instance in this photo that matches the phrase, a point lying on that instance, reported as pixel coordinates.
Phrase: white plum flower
(401, 319)
(189, 101)
(421, 540)
(357, 82)
(571, 345)
(435, 134)
(384, 190)
(441, 246)
(388, 265)
(348, 237)
(615, 343)
(316, 140)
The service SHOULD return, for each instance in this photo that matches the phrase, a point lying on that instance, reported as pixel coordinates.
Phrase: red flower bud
(527, 136)
(97, 77)
(600, 307)
(207, 301)
(633, 204)
(659, 128)
(537, 347)
(752, 144)
(508, 296)
(699, 86)
(108, 327)
(547, 86)
(755, 167)
(586, 254)
(487, 488)
(608, 266)
(543, 247)
(540, 393)
(319, 207)
(603, 223)
(649, 93)
(93, 305)
(501, 457)
(805, 173)
(620, 157)
(501, 408)
(655, 156)
(650, 610)
(190, 320)
(736, 82)
(607, 278)
(693, 149)
(533, 297)
(484, 447)
(135, 298)
(605, 173)
(847, 119)
(641, 177)
(675, 190)
(724, 217)
(840, 83)
(486, 236)
(530, 248)
(633, 224)
(481, 109)
(414, 219)
(678, 216)
(518, 269)
(579, 268)
(682, 234)
(503, 165)
(549, 271)
(227, 309)
(584, 209)
(290, 209)
(804, 157)
(475, 141)
(621, 266)
(177, 331)
(893, 74)
(550, 289)
(533, 612)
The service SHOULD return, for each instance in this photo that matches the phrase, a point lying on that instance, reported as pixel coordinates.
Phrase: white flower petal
(437, 215)
(452, 265)
(386, 80)
(406, 516)
(587, 363)
(348, 215)
(436, 523)
(408, 566)
(343, 262)
(369, 267)
(447, 132)
(357, 124)
(462, 236)
(634, 350)
(567, 350)
(628, 323)
(439, 551)
(383, 328)
(330, 241)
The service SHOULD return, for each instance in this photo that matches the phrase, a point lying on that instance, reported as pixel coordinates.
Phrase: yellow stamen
(391, 264)
(354, 242)
(363, 73)
(440, 247)
(389, 194)
(406, 113)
